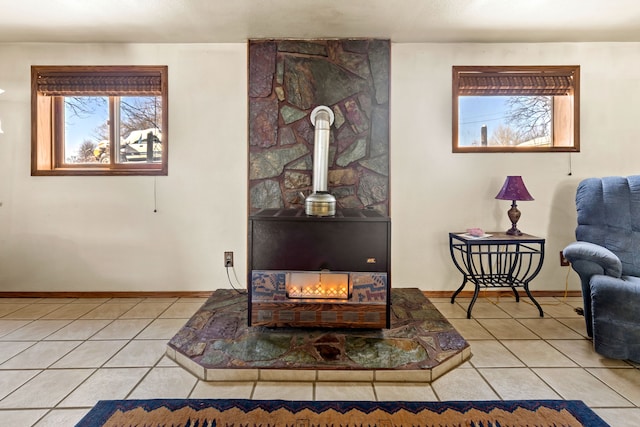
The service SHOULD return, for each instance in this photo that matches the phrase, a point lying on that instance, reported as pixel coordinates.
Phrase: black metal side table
(497, 260)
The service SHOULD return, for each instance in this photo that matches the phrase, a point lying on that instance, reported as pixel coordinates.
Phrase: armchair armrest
(589, 259)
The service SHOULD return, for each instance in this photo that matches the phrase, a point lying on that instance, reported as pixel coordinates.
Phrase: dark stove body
(353, 245)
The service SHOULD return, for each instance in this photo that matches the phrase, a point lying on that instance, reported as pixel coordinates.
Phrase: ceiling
(403, 21)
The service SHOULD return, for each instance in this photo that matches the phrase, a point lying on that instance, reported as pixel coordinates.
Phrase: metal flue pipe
(321, 203)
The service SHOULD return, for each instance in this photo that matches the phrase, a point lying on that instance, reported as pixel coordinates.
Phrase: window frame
(47, 115)
(567, 75)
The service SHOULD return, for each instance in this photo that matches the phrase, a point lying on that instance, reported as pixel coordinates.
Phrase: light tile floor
(60, 356)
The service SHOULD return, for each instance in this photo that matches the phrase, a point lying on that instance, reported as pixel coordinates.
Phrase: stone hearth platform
(217, 345)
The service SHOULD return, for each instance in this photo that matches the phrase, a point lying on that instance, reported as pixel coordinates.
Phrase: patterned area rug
(280, 413)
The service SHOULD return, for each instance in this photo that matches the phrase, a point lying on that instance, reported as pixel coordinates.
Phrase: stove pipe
(321, 203)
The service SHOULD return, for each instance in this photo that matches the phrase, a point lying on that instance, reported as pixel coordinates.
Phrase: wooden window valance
(531, 82)
(99, 81)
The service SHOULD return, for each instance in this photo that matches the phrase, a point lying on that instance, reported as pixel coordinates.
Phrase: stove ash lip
(320, 202)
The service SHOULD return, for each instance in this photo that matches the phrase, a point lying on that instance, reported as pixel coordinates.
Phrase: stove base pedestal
(367, 306)
(325, 315)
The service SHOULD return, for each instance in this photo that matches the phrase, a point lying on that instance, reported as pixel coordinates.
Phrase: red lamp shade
(514, 189)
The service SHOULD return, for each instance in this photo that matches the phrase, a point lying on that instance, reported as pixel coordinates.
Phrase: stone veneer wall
(287, 79)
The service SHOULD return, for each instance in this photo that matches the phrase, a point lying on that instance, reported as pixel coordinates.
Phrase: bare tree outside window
(530, 116)
(85, 152)
(515, 109)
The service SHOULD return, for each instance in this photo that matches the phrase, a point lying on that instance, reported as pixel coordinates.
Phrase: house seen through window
(99, 121)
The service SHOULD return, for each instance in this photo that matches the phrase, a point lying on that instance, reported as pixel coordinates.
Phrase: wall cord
(155, 195)
(237, 281)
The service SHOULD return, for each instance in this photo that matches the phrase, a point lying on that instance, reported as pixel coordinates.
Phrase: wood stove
(329, 271)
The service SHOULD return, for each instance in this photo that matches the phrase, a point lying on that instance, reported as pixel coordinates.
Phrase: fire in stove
(318, 285)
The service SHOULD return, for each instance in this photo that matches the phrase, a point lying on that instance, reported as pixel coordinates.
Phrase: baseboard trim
(502, 293)
(206, 294)
(167, 294)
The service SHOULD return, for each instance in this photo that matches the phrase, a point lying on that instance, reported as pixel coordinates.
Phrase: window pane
(510, 121)
(86, 130)
(140, 134)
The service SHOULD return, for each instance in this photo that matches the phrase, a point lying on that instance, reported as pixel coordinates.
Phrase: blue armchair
(606, 256)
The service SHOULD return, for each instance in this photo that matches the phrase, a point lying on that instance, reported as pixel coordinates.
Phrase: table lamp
(514, 190)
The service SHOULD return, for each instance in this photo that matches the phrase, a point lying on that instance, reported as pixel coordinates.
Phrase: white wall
(434, 191)
(100, 233)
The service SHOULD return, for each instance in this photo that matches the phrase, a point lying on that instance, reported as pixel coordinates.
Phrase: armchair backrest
(609, 215)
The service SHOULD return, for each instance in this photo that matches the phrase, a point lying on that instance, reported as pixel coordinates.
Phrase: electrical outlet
(563, 261)
(228, 259)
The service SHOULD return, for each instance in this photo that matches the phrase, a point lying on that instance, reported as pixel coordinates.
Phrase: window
(104, 120)
(516, 109)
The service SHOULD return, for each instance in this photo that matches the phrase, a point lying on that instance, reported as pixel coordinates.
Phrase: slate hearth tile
(216, 337)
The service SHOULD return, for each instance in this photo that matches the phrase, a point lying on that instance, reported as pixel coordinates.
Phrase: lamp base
(514, 216)
(513, 231)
